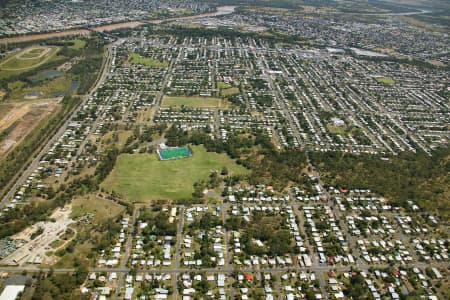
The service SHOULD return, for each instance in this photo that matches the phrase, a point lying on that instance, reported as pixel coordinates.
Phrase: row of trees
(408, 176)
(255, 151)
(85, 71)
(13, 162)
(18, 219)
(157, 223)
(269, 230)
(182, 32)
(61, 286)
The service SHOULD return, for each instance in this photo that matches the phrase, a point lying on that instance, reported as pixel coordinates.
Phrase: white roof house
(11, 292)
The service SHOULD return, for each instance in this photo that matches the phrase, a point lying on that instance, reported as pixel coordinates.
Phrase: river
(221, 10)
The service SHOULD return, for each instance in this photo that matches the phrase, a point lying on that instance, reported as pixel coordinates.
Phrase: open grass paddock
(135, 58)
(197, 102)
(385, 80)
(144, 177)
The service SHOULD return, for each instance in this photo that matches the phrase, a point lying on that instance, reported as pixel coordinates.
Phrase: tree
(214, 180)
(198, 191)
(224, 171)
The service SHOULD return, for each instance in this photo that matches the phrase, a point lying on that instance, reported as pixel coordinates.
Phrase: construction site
(37, 243)
(19, 119)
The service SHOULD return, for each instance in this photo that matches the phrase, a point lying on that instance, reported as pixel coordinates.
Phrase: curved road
(35, 162)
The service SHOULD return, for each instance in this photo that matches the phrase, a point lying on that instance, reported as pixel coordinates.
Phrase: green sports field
(385, 80)
(173, 153)
(229, 92)
(135, 58)
(223, 85)
(77, 44)
(144, 177)
(198, 102)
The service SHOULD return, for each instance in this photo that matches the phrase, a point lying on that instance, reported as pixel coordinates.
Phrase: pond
(44, 75)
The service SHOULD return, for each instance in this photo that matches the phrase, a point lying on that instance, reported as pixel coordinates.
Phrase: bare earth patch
(19, 120)
(36, 250)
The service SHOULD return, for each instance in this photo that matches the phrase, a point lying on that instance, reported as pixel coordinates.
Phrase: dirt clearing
(35, 241)
(20, 118)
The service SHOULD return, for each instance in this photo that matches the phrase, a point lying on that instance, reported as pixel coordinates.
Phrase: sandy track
(41, 36)
(22, 119)
(15, 114)
(21, 109)
(18, 57)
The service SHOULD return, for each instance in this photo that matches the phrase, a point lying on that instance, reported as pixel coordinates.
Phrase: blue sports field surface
(173, 153)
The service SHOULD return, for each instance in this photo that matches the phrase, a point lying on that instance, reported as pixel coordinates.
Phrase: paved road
(128, 246)
(221, 10)
(228, 258)
(280, 99)
(325, 196)
(94, 126)
(308, 245)
(177, 251)
(159, 96)
(102, 76)
(230, 270)
(35, 162)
